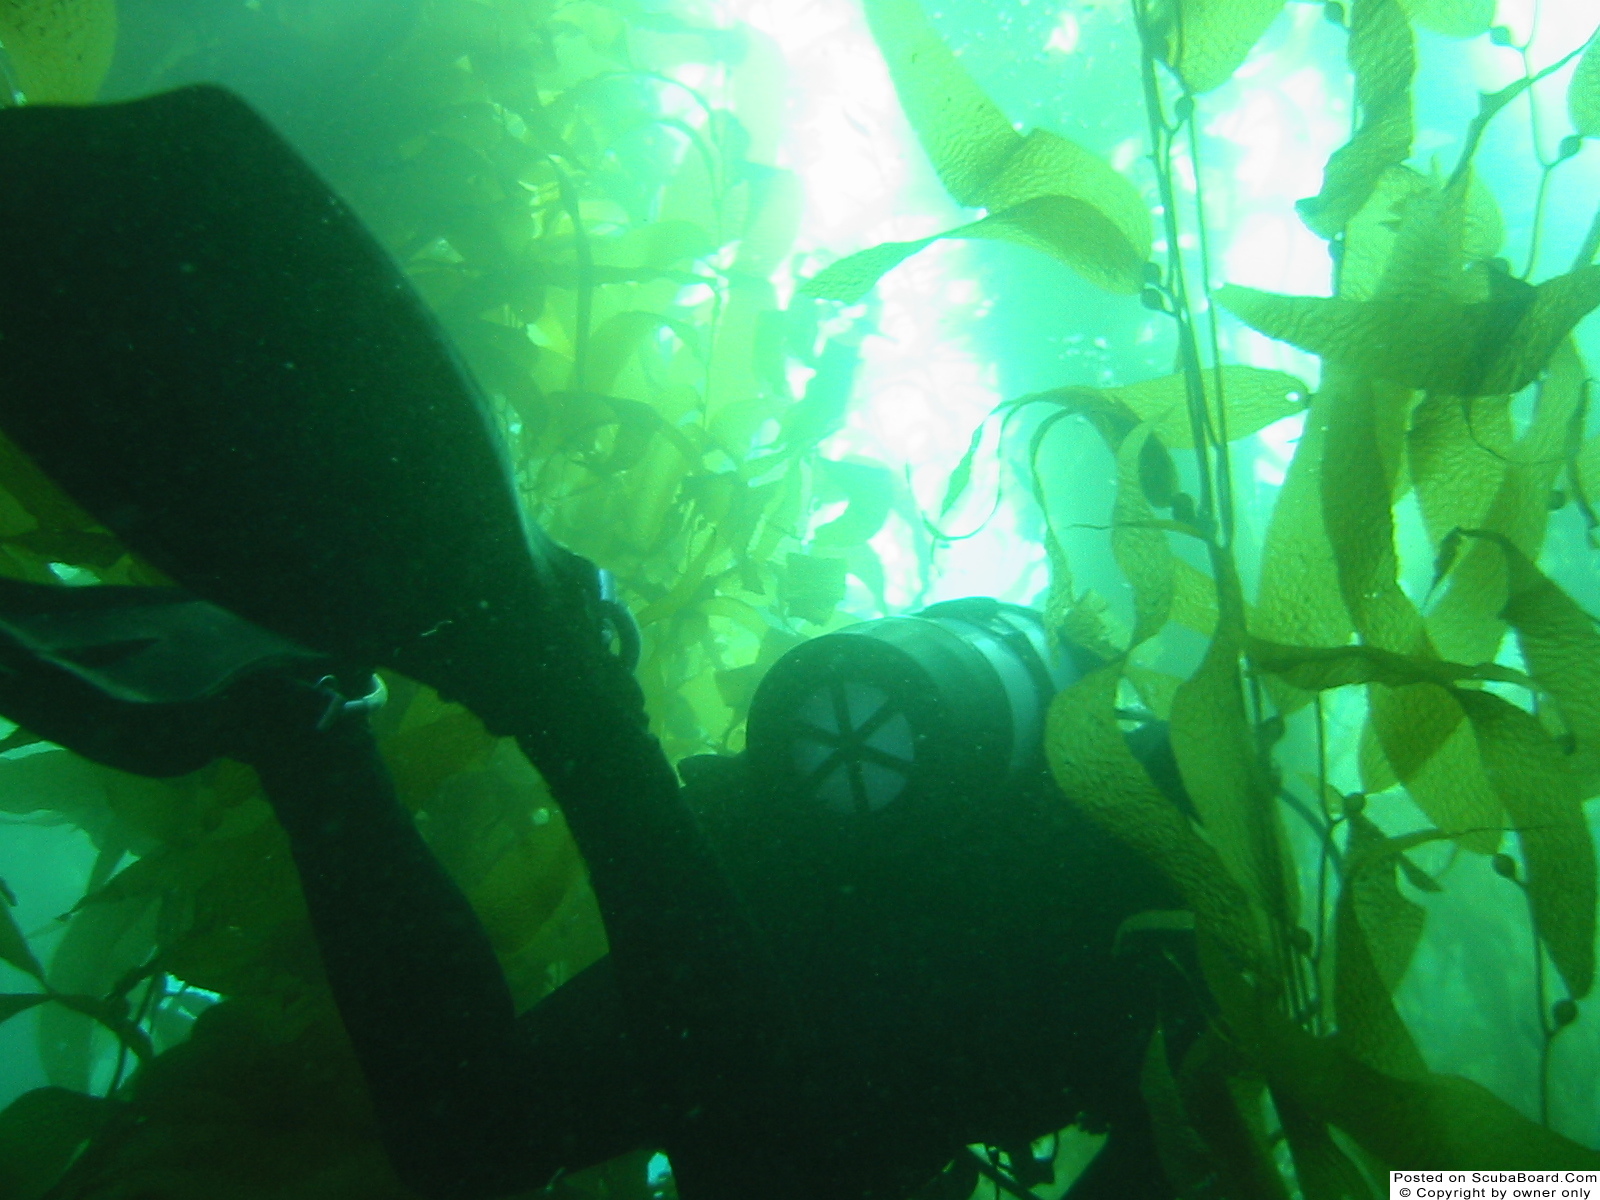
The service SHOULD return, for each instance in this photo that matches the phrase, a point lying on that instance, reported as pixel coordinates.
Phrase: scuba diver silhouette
(876, 938)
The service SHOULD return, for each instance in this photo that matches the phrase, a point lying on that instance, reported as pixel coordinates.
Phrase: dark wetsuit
(791, 1008)
(810, 1013)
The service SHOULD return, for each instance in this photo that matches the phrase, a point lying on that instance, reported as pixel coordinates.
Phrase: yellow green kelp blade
(1486, 349)
(1041, 190)
(1530, 774)
(1452, 18)
(1583, 94)
(59, 50)
(1383, 60)
(1204, 41)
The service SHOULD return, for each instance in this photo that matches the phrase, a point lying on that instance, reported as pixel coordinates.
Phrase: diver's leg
(598, 1100)
(703, 1000)
(467, 1104)
(1128, 1166)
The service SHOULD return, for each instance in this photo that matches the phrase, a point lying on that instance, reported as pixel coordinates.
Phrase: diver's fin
(1127, 1167)
(130, 677)
(207, 350)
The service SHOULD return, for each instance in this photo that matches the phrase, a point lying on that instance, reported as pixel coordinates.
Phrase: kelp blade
(208, 351)
(60, 50)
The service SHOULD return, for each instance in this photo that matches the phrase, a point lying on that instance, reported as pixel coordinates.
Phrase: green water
(622, 213)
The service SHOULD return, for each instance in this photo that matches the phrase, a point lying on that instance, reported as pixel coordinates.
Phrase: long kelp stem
(1224, 460)
(1177, 285)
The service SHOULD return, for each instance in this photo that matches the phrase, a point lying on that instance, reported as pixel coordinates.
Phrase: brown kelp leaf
(1141, 549)
(1078, 232)
(1428, 743)
(869, 491)
(1485, 231)
(853, 276)
(165, 870)
(40, 1132)
(514, 870)
(75, 548)
(1557, 306)
(1467, 622)
(1043, 190)
(688, 589)
(1456, 467)
(1360, 467)
(254, 1104)
(1493, 348)
(1528, 771)
(1062, 597)
(813, 586)
(1222, 771)
(1417, 237)
(1376, 931)
(61, 49)
(1156, 688)
(1226, 1107)
(1113, 421)
(965, 134)
(1324, 1170)
(614, 342)
(505, 362)
(1185, 1159)
(14, 947)
(102, 942)
(1253, 398)
(423, 756)
(1376, 773)
(1383, 59)
(956, 486)
(1150, 922)
(244, 927)
(1091, 761)
(37, 492)
(1435, 1122)
(1194, 598)
(1204, 41)
(1049, 165)
(1452, 18)
(1298, 602)
(13, 1003)
(1318, 668)
(1370, 234)
(1417, 345)
(1561, 647)
(1071, 230)
(737, 685)
(1583, 93)
(1428, 255)
(1395, 848)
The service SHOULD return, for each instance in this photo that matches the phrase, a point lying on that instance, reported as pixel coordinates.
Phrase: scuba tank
(939, 906)
(949, 702)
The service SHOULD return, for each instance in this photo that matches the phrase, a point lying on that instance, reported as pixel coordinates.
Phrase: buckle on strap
(341, 706)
